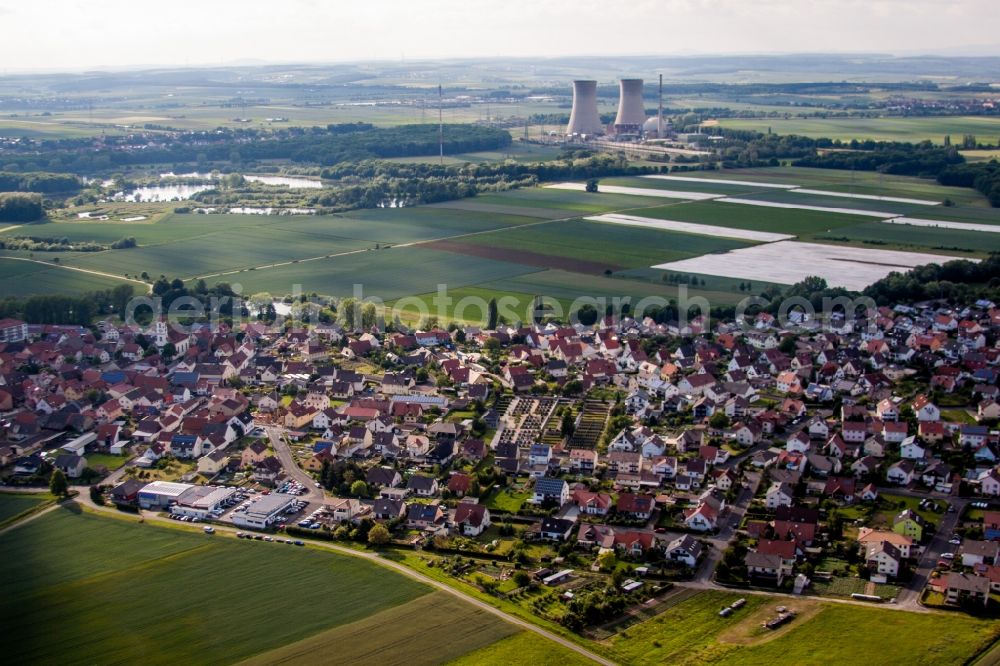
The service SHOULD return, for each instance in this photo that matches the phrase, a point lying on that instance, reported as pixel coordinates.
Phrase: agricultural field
(921, 239)
(532, 241)
(21, 277)
(523, 649)
(13, 505)
(789, 262)
(119, 599)
(693, 633)
(882, 129)
(429, 630)
(595, 245)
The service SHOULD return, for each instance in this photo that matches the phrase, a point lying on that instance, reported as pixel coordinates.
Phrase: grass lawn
(105, 460)
(889, 507)
(137, 593)
(505, 501)
(693, 633)
(958, 416)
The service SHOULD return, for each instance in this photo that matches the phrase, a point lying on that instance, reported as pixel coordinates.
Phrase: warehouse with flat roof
(264, 512)
(201, 501)
(161, 494)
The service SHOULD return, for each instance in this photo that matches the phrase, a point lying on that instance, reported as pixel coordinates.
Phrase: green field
(13, 505)
(753, 218)
(882, 129)
(523, 649)
(429, 630)
(27, 278)
(385, 274)
(922, 239)
(517, 243)
(613, 246)
(693, 633)
(100, 590)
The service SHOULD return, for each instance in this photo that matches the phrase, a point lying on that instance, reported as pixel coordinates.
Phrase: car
(299, 543)
(317, 484)
(955, 541)
(947, 556)
(269, 538)
(315, 526)
(209, 529)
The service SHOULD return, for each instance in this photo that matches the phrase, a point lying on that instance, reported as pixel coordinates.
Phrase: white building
(161, 494)
(201, 501)
(264, 512)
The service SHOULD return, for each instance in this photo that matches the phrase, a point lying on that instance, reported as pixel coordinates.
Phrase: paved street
(292, 470)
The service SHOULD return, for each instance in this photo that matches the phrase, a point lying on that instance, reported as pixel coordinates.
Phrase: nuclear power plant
(584, 118)
(631, 120)
(631, 112)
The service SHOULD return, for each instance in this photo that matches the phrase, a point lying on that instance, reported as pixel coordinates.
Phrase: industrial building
(631, 112)
(264, 512)
(630, 122)
(201, 501)
(584, 118)
(161, 494)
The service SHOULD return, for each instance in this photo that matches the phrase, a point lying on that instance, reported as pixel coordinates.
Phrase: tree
(719, 421)
(522, 578)
(96, 496)
(606, 561)
(592, 185)
(587, 315)
(492, 315)
(379, 535)
(568, 424)
(359, 488)
(58, 485)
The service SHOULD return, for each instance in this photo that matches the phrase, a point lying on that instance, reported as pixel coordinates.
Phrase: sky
(74, 35)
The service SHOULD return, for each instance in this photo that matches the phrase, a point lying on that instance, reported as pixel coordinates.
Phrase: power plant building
(584, 118)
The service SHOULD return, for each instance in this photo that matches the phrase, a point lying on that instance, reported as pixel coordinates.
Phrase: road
(292, 469)
(375, 558)
(910, 594)
(148, 287)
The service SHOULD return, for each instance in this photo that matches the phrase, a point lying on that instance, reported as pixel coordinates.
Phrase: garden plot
(872, 197)
(943, 224)
(691, 228)
(825, 209)
(724, 181)
(788, 262)
(637, 191)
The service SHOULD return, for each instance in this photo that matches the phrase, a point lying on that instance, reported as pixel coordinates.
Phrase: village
(853, 459)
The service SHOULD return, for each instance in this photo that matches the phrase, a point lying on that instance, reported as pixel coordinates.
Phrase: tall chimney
(659, 112)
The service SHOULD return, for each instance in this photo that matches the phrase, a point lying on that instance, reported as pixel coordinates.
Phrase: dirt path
(146, 285)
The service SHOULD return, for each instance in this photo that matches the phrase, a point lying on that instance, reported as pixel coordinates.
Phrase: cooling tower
(584, 118)
(631, 112)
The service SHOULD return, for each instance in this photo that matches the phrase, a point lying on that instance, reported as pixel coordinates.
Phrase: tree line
(981, 176)
(20, 207)
(311, 145)
(44, 183)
